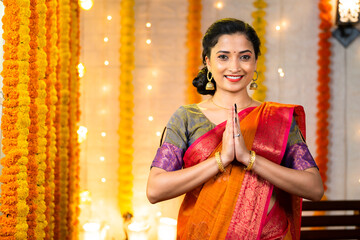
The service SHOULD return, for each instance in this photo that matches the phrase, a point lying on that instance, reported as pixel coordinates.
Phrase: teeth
(232, 77)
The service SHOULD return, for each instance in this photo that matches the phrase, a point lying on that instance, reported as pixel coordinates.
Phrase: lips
(234, 78)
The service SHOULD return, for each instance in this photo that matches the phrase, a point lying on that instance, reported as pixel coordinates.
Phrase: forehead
(233, 42)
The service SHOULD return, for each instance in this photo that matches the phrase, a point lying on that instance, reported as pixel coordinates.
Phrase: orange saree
(233, 205)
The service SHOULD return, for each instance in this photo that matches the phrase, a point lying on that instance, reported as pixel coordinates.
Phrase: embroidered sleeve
(297, 155)
(170, 155)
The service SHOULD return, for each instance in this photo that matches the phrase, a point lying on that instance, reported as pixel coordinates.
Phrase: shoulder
(181, 115)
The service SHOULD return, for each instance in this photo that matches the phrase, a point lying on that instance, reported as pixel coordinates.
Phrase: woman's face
(232, 62)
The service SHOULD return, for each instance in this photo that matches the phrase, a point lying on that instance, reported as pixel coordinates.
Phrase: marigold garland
(51, 100)
(63, 133)
(259, 25)
(73, 166)
(42, 111)
(323, 104)
(193, 44)
(127, 39)
(32, 165)
(15, 121)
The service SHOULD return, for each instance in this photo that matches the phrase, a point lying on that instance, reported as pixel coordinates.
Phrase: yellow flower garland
(51, 100)
(33, 157)
(193, 43)
(64, 134)
(73, 186)
(259, 25)
(126, 150)
(42, 111)
(15, 121)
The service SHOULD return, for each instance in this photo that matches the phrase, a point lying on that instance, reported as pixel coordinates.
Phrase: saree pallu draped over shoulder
(233, 204)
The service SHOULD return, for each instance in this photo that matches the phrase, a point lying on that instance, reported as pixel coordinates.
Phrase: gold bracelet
(252, 160)
(219, 163)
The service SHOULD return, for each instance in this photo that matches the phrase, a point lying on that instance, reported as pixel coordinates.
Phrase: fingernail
(235, 108)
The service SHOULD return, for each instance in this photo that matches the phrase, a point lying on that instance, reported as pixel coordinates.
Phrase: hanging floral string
(193, 44)
(32, 165)
(126, 99)
(51, 99)
(259, 25)
(42, 111)
(323, 104)
(64, 134)
(73, 165)
(15, 121)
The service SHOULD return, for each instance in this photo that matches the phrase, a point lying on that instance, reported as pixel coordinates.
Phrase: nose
(235, 65)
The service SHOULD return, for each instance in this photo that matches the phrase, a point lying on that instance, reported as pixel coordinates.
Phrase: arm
(163, 185)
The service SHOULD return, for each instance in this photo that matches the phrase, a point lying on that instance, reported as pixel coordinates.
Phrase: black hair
(211, 37)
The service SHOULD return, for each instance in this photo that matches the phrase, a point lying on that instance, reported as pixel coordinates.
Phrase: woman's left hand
(242, 154)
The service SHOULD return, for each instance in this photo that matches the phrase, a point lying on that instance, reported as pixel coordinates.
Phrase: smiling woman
(244, 173)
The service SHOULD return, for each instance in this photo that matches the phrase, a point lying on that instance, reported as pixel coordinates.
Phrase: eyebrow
(241, 52)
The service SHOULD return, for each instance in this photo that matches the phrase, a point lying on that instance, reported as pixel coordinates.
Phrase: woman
(231, 192)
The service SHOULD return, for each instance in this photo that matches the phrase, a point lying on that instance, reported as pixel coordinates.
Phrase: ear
(207, 60)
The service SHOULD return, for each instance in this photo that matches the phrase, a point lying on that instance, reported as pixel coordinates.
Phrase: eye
(223, 57)
(245, 57)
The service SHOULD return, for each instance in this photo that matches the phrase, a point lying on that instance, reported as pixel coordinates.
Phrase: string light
(103, 134)
(82, 133)
(103, 179)
(106, 62)
(281, 72)
(106, 39)
(149, 87)
(81, 69)
(150, 118)
(277, 28)
(148, 41)
(85, 196)
(154, 73)
(158, 134)
(109, 17)
(102, 158)
(102, 112)
(86, 4)
(219, 5)
(148, 24)
(105, 88)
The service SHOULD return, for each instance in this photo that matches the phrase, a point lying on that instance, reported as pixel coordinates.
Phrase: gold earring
(210, 85)
(253, 85)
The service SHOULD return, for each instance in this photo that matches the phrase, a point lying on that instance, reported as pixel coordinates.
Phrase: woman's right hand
(228, 144)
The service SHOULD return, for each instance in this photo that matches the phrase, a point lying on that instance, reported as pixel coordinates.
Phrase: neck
(228, 99)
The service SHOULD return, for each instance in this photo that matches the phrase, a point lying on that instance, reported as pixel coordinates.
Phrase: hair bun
(200, 82)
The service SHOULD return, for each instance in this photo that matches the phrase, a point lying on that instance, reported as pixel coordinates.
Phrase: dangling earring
(253, 85)
(209, 85)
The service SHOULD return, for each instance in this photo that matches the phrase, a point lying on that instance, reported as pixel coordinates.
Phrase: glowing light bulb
(106, 62)
(150, 118)
(282, 74)
(109, 17)
(82, 133)
(277, 28)
(103, 134)
(102, 158)
(280, 70)
(105, 88)
(106, 39)
(148, 41)
(81, 69)
(219, 5)
(103, 179)
(148, 24)
(149, 87)
(158, 134)
(86, 4)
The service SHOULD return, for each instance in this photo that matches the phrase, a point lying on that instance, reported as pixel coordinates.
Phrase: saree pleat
(233, 205)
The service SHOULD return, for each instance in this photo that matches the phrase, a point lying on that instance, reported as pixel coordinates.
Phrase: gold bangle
(219, 163)
(252, 160)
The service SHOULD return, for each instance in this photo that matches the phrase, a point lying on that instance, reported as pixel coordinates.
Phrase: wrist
(219, 162)
(251, 160)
